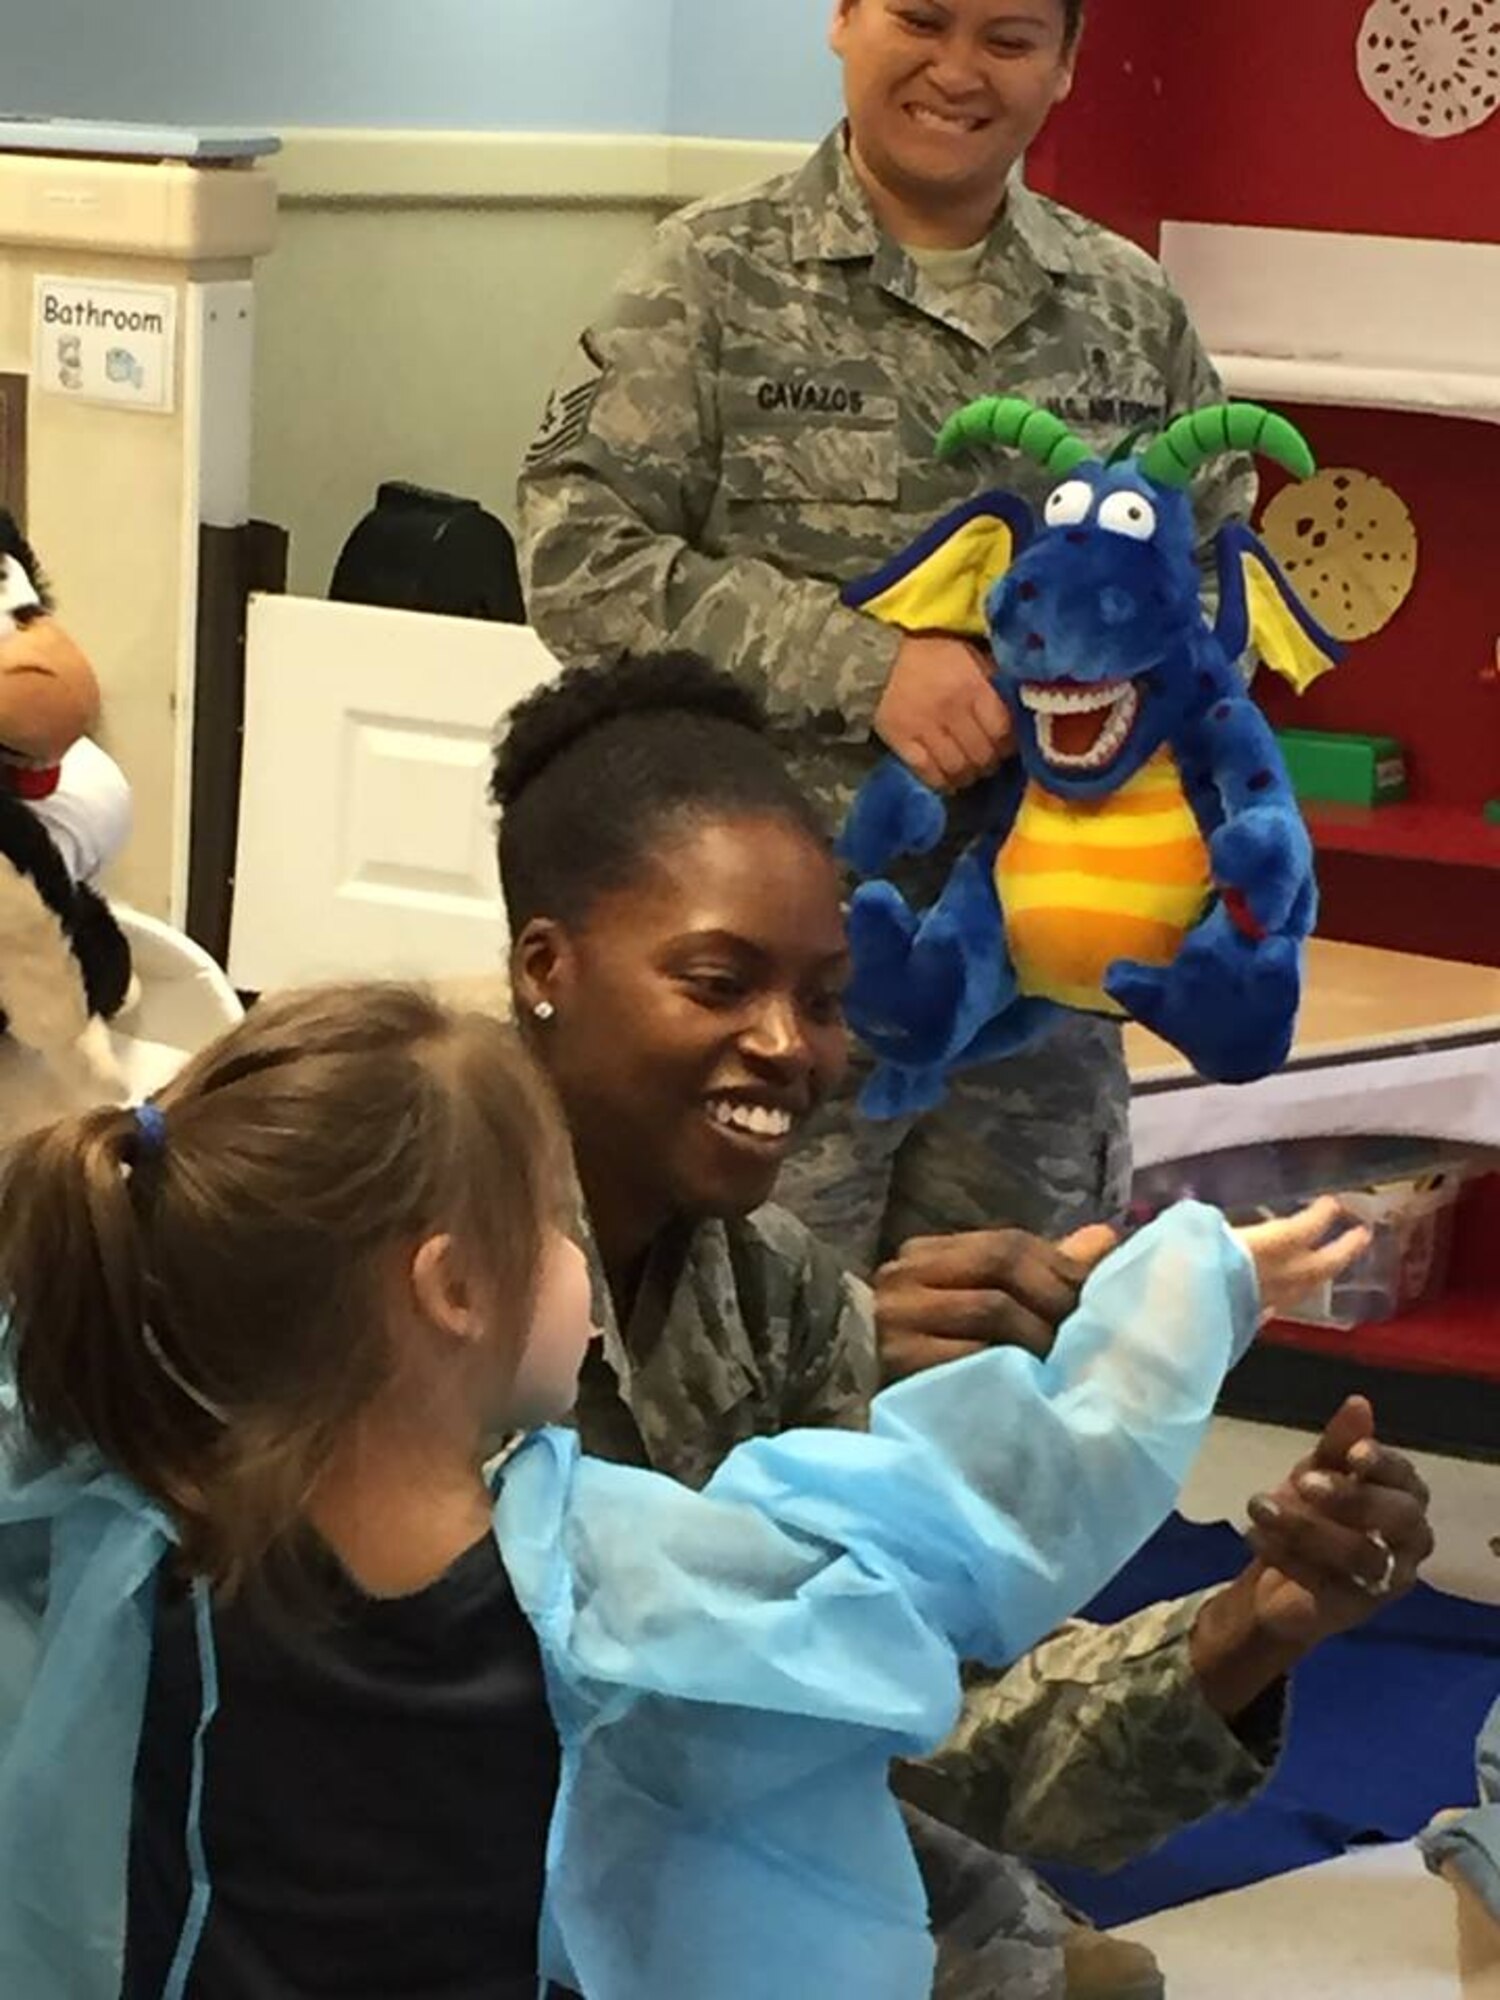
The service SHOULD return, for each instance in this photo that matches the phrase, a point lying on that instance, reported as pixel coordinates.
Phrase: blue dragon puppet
(1144, 855)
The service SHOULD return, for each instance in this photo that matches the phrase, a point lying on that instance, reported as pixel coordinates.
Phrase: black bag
(424, 551)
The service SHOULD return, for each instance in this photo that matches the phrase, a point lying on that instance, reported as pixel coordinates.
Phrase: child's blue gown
(730, 1672)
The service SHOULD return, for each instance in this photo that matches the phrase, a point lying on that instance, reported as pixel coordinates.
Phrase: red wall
(1223, 111)
(1102, 153)
(1273, 126)
(1428, 678)
(1252, 111)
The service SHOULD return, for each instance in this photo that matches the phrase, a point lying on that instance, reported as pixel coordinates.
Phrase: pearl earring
(544, 1011)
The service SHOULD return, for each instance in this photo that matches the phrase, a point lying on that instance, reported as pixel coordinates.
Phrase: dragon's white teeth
(1042, 699)
(1110, 741)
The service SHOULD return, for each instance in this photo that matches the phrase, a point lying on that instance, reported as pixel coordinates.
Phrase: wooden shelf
(1352, 321)
(1455, 1335)
(1444, 836)
(1272, 378)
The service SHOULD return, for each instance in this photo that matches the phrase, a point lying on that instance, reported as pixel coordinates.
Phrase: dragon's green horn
(1012, 421)
(1192, 440)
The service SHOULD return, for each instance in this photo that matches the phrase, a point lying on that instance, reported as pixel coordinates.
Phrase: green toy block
(1492, 812)
(1328, 767)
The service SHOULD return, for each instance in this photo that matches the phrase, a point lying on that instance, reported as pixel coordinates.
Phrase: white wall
(423, 297)
(415, 340)
(720, 68)
(526, 65)
(426, 287)
(753, 69)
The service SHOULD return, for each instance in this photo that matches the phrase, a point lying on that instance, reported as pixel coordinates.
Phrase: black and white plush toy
(64, 961)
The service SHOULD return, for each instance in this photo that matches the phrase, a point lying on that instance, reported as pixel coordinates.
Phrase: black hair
(14, 543)
(1072, 21)
(595, 768)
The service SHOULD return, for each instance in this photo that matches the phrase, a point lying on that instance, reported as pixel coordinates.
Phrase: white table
(1373, 1925)
(1386, 1044)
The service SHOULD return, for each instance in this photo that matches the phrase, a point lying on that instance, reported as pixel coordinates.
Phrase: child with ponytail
(305, 1687)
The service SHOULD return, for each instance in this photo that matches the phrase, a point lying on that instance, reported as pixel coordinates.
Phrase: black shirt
(378, 1788)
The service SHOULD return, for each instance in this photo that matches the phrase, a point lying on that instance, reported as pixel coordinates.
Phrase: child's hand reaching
(1297, 1252)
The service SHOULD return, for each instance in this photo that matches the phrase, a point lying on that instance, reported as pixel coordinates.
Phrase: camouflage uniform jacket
(1093, 1747)
(750, 425)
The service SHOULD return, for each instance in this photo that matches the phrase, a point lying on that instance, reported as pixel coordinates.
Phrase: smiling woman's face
(697, 1018)
(944, 96)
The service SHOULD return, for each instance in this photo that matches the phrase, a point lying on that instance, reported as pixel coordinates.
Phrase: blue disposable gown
(730, 1672)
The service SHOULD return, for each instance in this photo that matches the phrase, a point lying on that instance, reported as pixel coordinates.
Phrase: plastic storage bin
(1405, 1265)
(1406, 1190)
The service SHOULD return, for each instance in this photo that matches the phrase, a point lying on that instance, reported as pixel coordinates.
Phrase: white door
(366, 842)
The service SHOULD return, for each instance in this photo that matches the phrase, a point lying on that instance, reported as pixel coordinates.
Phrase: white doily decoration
(1433, 69)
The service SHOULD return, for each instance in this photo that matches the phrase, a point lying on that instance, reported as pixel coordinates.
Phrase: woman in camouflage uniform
(677, 959)
(750, 424)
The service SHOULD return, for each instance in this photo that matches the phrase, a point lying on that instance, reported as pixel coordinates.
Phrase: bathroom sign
(106, 343)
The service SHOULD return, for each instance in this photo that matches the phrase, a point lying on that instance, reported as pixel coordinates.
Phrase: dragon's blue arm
(1261, 852)
(893, 814)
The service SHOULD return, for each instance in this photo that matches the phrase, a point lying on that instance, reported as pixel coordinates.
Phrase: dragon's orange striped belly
(1083, 883)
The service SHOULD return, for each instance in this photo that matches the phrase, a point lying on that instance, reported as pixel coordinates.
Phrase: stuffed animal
(1144, 856)
(64, 962)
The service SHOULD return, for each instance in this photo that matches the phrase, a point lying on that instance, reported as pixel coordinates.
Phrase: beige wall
(423, 296)
(114, 493)
(121, 563)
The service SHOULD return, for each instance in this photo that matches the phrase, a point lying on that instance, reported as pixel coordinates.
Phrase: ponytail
(94, 1368)
(197, 1291)
(75, 1286)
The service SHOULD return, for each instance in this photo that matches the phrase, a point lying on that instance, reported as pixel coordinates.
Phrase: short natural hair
(599, 767)
(1072, 21)
(235, 1258)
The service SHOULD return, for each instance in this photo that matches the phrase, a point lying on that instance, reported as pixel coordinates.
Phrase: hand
(1298, 1252)
(1319, 1568)
(1316, 1565)
(941, 716)
(946, 1297)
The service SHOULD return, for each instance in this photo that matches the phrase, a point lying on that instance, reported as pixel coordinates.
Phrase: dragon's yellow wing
(943, 581)
(1258, 607)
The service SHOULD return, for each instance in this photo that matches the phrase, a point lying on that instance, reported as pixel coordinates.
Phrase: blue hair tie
(151, 1124)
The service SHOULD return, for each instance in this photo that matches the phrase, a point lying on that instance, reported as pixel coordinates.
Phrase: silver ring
(1381, 1587)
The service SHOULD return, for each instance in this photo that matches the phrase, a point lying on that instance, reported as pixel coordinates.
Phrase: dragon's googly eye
(1128, 514)
(1069, 504)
